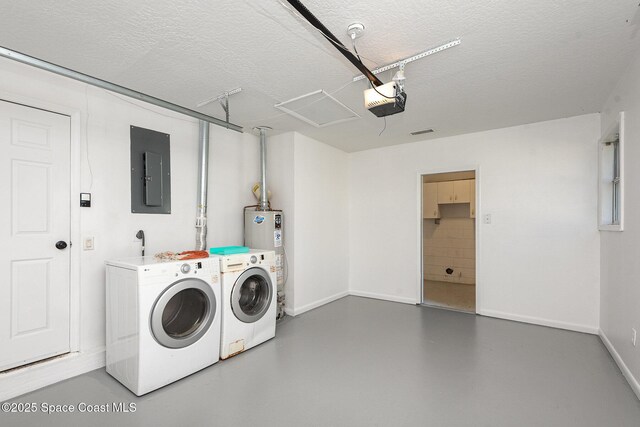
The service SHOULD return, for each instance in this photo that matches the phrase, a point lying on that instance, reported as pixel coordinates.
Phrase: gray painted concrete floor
(363, 362)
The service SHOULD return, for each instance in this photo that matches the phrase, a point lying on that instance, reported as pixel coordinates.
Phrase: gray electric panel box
(150, 171)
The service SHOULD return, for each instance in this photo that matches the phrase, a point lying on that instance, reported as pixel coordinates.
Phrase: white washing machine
(163, 320)
(249, 301)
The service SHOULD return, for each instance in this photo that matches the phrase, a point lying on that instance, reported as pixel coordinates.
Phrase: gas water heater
(263, 230)
(263, 226)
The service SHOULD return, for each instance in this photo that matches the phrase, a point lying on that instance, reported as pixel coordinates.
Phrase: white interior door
(34, 216)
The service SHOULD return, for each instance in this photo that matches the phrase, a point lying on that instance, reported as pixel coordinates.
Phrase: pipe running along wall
(66, 72)
(203, 181)
(264, 202)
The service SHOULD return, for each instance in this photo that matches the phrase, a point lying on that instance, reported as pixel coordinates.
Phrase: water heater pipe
(203, 184)
(264, 202)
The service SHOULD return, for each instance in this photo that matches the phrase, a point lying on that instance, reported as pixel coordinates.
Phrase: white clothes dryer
(249, 301)
(163, 320)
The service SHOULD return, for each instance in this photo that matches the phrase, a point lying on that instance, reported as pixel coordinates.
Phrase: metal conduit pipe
(264, 202)
(48, 66)
(203, 184)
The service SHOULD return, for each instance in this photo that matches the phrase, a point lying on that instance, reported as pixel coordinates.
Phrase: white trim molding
(308, 307)
(32, 377)
(540, 321)
(633, 382)
(384, 297)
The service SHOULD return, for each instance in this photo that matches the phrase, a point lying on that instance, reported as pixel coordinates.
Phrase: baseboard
(307, 307)
(383, 297)
(633, 382)
(20, 381)
(540, 321)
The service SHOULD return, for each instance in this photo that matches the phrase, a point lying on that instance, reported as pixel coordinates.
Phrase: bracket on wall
(223, 99)
(225, 106)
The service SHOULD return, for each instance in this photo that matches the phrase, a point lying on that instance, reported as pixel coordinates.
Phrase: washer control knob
(185, 268)
(253, 259)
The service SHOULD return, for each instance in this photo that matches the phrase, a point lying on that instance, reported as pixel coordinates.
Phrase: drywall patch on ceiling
(318, 109)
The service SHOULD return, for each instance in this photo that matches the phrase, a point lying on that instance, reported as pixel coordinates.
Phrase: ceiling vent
(318, 109)
(421, 132)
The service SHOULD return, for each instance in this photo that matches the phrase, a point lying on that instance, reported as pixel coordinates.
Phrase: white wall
(280, 182)
(537, 262)
(321, 223)
(620, 270)
(100, 165)
(309, 182)
(234, 166)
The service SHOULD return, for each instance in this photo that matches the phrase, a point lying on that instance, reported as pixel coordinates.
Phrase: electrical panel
(150, 171)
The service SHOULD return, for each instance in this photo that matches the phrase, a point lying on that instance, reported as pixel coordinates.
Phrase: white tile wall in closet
(450, 244)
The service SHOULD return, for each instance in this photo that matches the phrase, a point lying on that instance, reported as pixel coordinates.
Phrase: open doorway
(449, 240)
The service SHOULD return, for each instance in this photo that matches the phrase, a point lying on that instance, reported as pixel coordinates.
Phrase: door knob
(61, 245)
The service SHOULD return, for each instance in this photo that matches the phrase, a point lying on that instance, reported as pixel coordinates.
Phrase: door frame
(420, 263)
(78, 128)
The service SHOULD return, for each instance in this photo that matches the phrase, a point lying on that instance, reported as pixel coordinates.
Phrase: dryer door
(183, 313)
(251, 295)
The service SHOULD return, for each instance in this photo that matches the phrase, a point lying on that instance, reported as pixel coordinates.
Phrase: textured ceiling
(519, 62)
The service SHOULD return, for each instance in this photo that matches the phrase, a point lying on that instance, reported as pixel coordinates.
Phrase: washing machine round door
(183, 313)
(251, 295)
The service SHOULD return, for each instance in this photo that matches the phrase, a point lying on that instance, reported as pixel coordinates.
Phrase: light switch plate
(88, 244)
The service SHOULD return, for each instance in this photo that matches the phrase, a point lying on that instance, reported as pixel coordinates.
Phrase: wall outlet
(87, 244)
(633, 336)
(486, 219)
